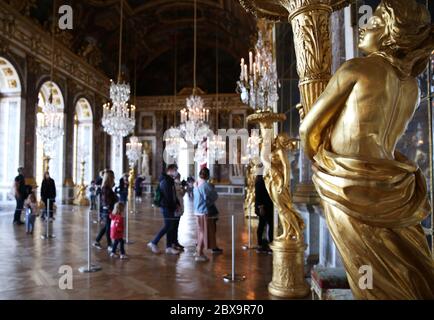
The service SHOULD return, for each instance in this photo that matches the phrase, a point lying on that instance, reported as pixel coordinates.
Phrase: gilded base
(288, 270)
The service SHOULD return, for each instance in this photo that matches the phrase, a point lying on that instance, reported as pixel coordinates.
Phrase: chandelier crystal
(134, 150)
(258, 82)
(49, 126)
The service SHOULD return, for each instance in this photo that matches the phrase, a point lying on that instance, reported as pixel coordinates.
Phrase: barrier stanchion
(249, 246)
(233, 277)
(127, 222)
(89, 268)
(47, 234)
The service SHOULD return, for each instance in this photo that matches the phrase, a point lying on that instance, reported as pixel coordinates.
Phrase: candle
(250, 62)
(258, 59)
(245, 73)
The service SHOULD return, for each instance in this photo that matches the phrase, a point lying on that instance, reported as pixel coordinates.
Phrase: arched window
(83, 141)
(10, 113)
(56, 167)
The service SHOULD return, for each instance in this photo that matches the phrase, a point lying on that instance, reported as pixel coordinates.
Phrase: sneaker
(97, 245)
(217, 251)
(113, 255)
(124, 257)
(172, 251)
(201, 258)
(109, 248)
(178, 247)
(154, 248)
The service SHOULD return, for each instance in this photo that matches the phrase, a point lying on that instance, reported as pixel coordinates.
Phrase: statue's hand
(300, 109)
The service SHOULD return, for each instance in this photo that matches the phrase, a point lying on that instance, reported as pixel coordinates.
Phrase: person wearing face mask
(169, 204)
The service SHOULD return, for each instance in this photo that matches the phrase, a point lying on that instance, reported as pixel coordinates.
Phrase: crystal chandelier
(217, 147)
(173, 142)
(118, 117)
(194, 119)
(49, 125)
(253, 144)
(134, 150)
(258, 82)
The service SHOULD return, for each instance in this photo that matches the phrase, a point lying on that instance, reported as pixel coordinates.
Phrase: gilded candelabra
(80, 196)
(288, 248)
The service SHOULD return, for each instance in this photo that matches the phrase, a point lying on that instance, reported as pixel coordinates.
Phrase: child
(92, 195)
(117, 230)
(31, 207)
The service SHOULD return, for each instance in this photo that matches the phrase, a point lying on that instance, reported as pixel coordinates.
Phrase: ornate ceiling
(151, 30)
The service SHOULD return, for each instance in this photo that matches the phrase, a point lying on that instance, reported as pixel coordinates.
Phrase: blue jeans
(121, 242)
(168, 228)
(30, 222)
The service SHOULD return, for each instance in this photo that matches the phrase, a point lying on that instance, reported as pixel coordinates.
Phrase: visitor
(48, 194)
(138, 188)
(204, 197)
(20, 195)
(99, 179)
(98, 183)
(92, 195)
(169, 203)
(108, 200)
(123, 188)
(264, 210)
(180, 192)
(31, 206)
(117, 230)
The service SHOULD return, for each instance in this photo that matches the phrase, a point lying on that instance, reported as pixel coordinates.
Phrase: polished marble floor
(29, 266)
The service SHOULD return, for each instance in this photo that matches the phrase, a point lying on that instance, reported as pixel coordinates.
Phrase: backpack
(157, 197)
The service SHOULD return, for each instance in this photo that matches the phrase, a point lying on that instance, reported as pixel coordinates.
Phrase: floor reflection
(29, 266)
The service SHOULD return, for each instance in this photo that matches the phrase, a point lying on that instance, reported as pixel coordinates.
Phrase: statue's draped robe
(374, 208)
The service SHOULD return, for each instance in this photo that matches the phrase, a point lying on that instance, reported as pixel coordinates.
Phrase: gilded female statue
(277, 178)
(374, 198)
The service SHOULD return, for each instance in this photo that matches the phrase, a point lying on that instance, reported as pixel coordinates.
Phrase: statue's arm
(328, 105)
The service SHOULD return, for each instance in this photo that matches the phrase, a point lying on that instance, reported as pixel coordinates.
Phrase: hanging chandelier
(173, 142)
(118, 118)
(258, 82)
(217, 147)
(49, 126)
(194, 118)
(134, 150)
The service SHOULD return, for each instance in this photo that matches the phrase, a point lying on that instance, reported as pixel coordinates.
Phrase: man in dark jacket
(264, 210)
(48, 192)
(20, 195)
(168, 204)
(123, 188)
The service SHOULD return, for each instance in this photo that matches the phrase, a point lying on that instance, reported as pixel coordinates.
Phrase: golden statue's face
(370, 36)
